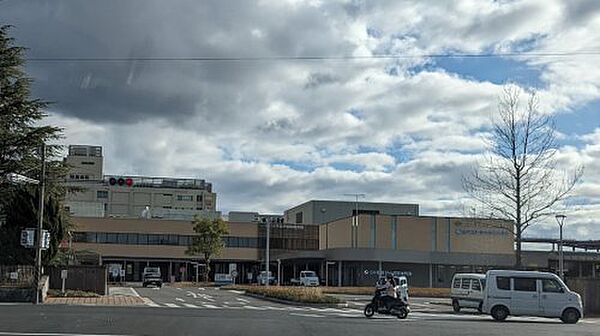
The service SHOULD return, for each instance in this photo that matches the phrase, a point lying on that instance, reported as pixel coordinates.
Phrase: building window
(87, 163)
(102, 194)
(187, 198)
(199, 198)
(299, 218)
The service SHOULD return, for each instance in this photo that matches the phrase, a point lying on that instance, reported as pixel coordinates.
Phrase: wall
(86, 278)
(589, 289)
(414, 233)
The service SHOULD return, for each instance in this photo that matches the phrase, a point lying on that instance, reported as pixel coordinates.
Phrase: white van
(467, 291)
(530, 293)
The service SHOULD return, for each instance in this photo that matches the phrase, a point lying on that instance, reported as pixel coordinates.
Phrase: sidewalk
(109, 300)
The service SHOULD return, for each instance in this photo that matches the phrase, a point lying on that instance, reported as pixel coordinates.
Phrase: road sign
(63, 274)
(45, 239)
(122, 273)
(234, 273)
(28, 238)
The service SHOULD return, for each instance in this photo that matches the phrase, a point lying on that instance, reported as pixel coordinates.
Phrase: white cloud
(268, 133)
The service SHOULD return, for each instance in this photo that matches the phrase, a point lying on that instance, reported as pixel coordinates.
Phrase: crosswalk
(350, 313)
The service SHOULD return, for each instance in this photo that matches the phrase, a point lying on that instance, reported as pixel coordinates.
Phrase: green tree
(208, 241)
(21, 136)
(22, 214)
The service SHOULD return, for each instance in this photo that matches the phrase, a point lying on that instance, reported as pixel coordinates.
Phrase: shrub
(295, 294)
(71, 293)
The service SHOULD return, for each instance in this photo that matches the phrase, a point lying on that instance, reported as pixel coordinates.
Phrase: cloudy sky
(273, 133)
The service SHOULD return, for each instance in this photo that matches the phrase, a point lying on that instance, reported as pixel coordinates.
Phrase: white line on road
(201, 288)
(179, 299)
(242, 300)
(189, 305)
(150, 303)
(192, 294)
(306, 315)
(51, 334)
(237, 291)
(210, 306)
(171, 305)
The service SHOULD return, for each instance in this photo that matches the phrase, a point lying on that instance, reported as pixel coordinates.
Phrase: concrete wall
(86, 278)
(589, 289)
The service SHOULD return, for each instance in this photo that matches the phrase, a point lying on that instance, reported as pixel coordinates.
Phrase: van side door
(525, 298)
(553, 297)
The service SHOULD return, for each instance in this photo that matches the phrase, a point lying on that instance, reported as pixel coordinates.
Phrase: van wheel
(499, 313)
(570, 316)
(455, 306)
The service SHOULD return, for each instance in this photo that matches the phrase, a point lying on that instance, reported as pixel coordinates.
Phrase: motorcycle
(399, 308)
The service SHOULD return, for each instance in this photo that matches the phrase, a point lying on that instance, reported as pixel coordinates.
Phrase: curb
(294, 303)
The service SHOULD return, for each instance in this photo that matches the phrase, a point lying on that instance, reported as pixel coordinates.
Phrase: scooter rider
(388, 295)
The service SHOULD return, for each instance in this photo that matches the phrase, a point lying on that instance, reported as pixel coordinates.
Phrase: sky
(270, 134)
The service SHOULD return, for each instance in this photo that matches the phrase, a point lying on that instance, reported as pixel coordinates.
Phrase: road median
(306, 296)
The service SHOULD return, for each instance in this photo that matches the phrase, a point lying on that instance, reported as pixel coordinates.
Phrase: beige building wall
(339, 233)
(383, 229)
(414, 233)
(465, 235)
(364, 231)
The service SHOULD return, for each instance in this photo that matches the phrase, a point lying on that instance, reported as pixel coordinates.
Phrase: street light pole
(267, 252)
(561, 268)
(38, 247)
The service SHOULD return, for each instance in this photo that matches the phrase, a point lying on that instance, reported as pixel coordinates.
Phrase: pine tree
(21, 136)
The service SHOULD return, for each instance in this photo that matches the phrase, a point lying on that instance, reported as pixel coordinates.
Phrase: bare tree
(518, 178)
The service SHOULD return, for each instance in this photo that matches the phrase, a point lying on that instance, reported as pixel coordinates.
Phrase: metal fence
(17, 275)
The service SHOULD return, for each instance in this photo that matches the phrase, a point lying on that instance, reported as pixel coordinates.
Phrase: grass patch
(295, 294)
(71, 293)
(412, 291)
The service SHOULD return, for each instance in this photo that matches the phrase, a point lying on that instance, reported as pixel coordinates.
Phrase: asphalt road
(214, 312)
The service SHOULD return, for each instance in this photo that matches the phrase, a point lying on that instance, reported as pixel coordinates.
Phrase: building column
(430, 275)
(294, 271)
(340, 273)
(171, 271)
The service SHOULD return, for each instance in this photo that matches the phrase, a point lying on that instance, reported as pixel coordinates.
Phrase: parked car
(262, 278)
(307, 278)
(467, 291)
(521, 293)
(152, 276)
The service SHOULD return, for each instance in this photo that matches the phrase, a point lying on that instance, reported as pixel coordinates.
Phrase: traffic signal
(120, 181)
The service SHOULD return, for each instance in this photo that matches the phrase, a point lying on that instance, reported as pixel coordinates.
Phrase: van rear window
(456, 283)
(466, 283)
(503, 283)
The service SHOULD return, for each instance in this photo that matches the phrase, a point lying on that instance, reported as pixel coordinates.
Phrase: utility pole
(356, 218)
(267, 252)
(38, 247)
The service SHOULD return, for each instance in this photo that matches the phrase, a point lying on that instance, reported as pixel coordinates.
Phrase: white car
(307, 278)
(467, 291)
(530, 294)
(262, 278)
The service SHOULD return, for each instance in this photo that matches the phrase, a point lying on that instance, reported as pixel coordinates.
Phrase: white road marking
(150, 303)
(306, 315)
(242, 300)
(210, 306)
(192, 294)
(201, 288)
(52, 334)
(171, 305)
(189, 305)
(255, 308)
(236, 291)
(179, 299)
